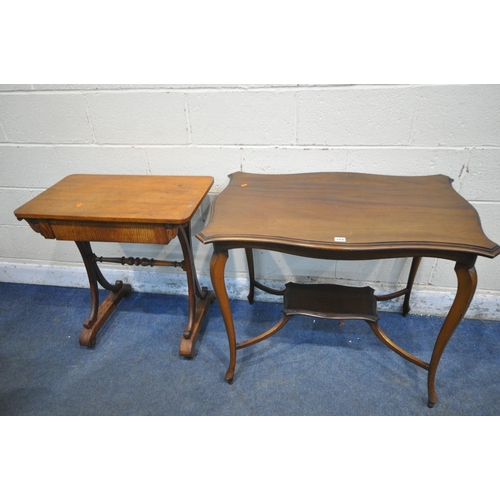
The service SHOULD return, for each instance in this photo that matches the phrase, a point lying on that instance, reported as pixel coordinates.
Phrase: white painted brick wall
(482, 179)
(356, 116)
(50, 131)
(138, 117)
(47, 118)
(459, 115)
(242, 117)
(216, 161)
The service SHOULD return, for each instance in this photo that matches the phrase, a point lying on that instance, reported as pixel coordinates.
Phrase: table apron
(119, 232)
(465, 258)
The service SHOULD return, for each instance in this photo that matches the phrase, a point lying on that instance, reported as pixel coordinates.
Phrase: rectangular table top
(120, 198)
(346, 212)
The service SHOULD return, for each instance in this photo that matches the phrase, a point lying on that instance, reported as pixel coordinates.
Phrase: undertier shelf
(330, 301)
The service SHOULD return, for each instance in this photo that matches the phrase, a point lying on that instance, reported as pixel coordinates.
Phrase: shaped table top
(120, 198)
(346, 211)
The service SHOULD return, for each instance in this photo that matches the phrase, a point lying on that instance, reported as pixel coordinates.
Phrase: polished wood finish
(330, 301)
(334, 302)
(348, 216)
(157, 199)
(467, 282)
(372, 212)
(142, 209)
(217, 267)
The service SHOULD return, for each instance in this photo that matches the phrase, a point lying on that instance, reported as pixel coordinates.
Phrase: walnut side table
(346, 216)
(142, 209)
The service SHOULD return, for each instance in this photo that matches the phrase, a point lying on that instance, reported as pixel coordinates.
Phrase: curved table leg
(98, 314)
(197, 308)
(217, 266)
(411, 278)
(104, 282)
(251, 273)
(391, 345)
(263, 336)
(200, 292)
(467, 281)
(86, 252)
(186, 251)
(255, 284)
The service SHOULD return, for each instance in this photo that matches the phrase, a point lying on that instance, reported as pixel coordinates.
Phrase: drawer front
(113, 232)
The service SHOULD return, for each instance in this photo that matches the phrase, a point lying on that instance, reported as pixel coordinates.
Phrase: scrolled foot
(89, 323)
(119, 284)
(87, 337)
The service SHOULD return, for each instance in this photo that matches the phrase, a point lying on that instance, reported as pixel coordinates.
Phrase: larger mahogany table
(128, 209)
(346, 216)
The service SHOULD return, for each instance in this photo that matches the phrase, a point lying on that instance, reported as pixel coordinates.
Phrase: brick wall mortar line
(188, 120)
(296, 118)
(415, 115)
(88, 117)
(400, 147)
(3, 132)
(210, 89)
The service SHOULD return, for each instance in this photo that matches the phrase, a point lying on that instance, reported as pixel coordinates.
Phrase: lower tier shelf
(330, 301)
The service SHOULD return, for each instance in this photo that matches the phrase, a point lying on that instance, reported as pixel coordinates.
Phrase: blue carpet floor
(311, 367)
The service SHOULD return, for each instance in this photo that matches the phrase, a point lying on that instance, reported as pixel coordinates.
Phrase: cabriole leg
(217, 267)
(467, 281)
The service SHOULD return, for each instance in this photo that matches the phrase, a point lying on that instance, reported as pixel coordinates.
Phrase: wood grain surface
(346, 211)
(120, 198)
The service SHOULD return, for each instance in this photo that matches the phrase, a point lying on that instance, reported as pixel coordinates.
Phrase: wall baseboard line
(430, 301)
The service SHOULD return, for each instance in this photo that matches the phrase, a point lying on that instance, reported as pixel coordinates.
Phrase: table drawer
(112, 231)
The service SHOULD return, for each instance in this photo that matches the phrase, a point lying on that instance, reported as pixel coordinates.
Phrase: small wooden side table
(142, 209)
